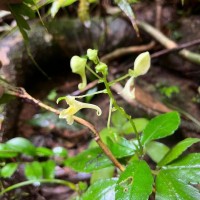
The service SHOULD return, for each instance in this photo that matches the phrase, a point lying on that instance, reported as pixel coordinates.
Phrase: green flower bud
(78, 65)
(102, 67)
(142, 64)
(93, 55)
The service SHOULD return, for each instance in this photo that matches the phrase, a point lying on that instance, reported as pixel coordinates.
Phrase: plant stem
(123, 113)
(119, 79)
(20, 92)
(58, 181)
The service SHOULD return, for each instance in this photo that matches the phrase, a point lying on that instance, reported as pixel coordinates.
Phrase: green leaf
(121, 147)
(152, 149)
(126, 8)
(33, 171)
(43, 151)
(60, 152)
(101, 190)
(170, 188)
(186, 168)
(177, 150)
(118, 120)
(89, 160)
(49, 169)
(6, 152)
(8, 170)
(140, 124)
(161, 126)
(21, 145)
(136, 182)
(104, 173)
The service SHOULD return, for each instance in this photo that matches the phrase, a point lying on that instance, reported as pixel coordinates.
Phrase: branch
(169, 44)
(21, 92)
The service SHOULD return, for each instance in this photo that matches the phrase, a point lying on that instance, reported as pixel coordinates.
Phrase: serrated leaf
(126, 8)
(170, 188)
(49, 169)
(186, 168)
(160, 127)
(140, 124)
(136, 182)
(6, 152)
(122, 147)
(21, 145)
(104, 173)
(89, 160)
(152, 149)
(8, 170)
(33, 171)
(101, 190)
(177, 150)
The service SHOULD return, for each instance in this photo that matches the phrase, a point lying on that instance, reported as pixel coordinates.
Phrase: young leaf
(49, 169)
(152, 149)
(177, 150)
(186, 168)
(118, 120)
(8, 170)
(102, 174)
(33, 171)
(160, 127)
(43, 152)
(121, 147)
(60, 152)
(21, 145)
(136, 182)
(101, 190)
(89, 160)
(170, 188)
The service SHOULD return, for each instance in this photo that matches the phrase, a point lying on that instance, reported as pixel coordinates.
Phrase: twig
(20, 92)
(181, 46)
(169, 44)
(127, 50)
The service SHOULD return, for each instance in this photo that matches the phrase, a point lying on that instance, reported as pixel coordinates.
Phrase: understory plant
(120, 168)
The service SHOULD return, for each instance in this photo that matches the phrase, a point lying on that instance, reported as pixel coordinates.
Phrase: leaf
(49, 169)
(89, 160)
(161, 126)
(136, 182)
(121, 147)
(6, 152)
(170, 188)
(8, 170)
(126, 8)
(152, 149)
(33, 171)
(186, 168)
(43, 152)
(101, 190)
(21, 145)
(177, 150)
(140, 124)
(104, 173)
(118, 120)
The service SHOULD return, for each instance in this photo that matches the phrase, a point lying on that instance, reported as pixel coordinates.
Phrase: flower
(78, 65)
(92, 54)
(129, 89)
(74, 107)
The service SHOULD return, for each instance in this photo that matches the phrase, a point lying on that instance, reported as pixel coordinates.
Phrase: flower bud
(142, 64)
(92, 54)
(78, 65)
(102, 67)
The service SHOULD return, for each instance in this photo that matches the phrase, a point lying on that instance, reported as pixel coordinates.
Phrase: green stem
(58, 181)
(86, 95)
(109, 114)
(107, 85)
(119, 79)
(93, 72)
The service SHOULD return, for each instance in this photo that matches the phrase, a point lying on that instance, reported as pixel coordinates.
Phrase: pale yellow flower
(129, 89)
(74, 107)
